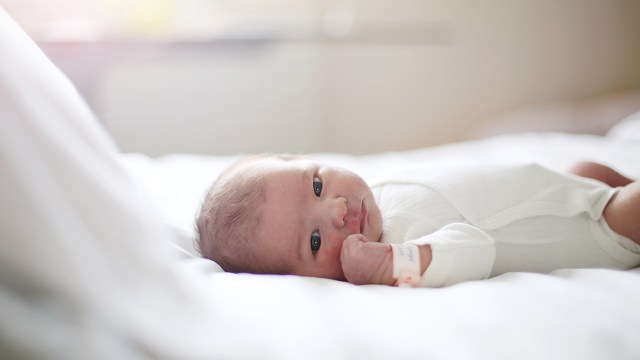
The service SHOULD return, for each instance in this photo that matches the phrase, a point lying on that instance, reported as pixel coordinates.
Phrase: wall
(376, 76)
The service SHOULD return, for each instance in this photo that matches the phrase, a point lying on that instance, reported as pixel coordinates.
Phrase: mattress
(570, 313)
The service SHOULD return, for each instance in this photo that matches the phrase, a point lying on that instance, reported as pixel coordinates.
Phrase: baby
(424, 227)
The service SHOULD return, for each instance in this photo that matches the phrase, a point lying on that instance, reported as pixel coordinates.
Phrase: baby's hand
(366, 262)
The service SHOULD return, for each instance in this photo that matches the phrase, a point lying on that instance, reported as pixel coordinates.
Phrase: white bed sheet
(586, 313)
(88, 269)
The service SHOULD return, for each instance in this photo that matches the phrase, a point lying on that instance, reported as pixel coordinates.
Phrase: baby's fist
(366, 262)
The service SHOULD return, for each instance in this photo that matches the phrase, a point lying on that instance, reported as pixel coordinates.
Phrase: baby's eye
(315, 241)
(317, 186)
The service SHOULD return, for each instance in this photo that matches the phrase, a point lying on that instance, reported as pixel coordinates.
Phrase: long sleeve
(460, 252)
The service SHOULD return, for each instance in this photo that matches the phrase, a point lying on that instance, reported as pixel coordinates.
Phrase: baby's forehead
(274, 167)
(281, 180)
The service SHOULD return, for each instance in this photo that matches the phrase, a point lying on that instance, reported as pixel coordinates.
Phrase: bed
(97, 258)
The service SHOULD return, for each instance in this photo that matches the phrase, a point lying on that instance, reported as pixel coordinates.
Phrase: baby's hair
(230, 216)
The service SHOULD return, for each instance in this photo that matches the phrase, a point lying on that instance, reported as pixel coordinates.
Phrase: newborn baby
(423, 227)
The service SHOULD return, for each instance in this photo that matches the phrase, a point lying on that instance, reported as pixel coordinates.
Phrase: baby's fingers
(365, 262)
(352, 248)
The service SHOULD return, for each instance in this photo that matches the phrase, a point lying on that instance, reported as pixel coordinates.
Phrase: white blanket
(89, 266)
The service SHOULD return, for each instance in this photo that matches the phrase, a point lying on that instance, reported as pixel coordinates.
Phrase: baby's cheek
(332, 263)
(336, 245)
(336, 248)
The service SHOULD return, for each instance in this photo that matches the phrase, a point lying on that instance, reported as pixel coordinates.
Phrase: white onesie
(484, 221)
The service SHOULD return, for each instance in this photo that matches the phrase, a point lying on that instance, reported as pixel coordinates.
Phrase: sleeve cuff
(460, 252)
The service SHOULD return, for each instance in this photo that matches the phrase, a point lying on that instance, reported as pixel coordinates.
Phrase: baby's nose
(339, 211)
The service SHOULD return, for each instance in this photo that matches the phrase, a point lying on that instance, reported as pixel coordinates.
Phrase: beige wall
(500, 56)
(408, 74)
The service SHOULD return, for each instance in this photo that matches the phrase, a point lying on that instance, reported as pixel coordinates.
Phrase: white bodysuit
(483, 222)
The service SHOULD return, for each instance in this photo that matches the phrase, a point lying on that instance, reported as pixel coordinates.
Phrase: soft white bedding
(586, 313)
(96, 259)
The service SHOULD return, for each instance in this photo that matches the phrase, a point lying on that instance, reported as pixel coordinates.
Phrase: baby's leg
(599, 172)
(623, 212)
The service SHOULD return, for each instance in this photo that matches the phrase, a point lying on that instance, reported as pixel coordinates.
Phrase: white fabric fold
(86, 266)
(493, 196)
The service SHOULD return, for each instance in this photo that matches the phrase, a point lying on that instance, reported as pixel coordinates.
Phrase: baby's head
(285, 215)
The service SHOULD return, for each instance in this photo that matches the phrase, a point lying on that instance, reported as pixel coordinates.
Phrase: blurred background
(356, 76)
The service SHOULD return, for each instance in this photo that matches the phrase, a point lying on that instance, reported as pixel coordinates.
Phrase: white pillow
(628, 128)
(87, 267)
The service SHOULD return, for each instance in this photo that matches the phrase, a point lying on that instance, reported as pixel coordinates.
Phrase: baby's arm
(455, 253)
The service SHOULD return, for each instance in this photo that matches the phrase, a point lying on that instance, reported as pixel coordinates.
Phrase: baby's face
(309, 210)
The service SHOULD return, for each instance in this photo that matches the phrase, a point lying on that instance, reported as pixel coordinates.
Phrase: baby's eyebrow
(301, 235)
(303, 178)
(305, 198)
